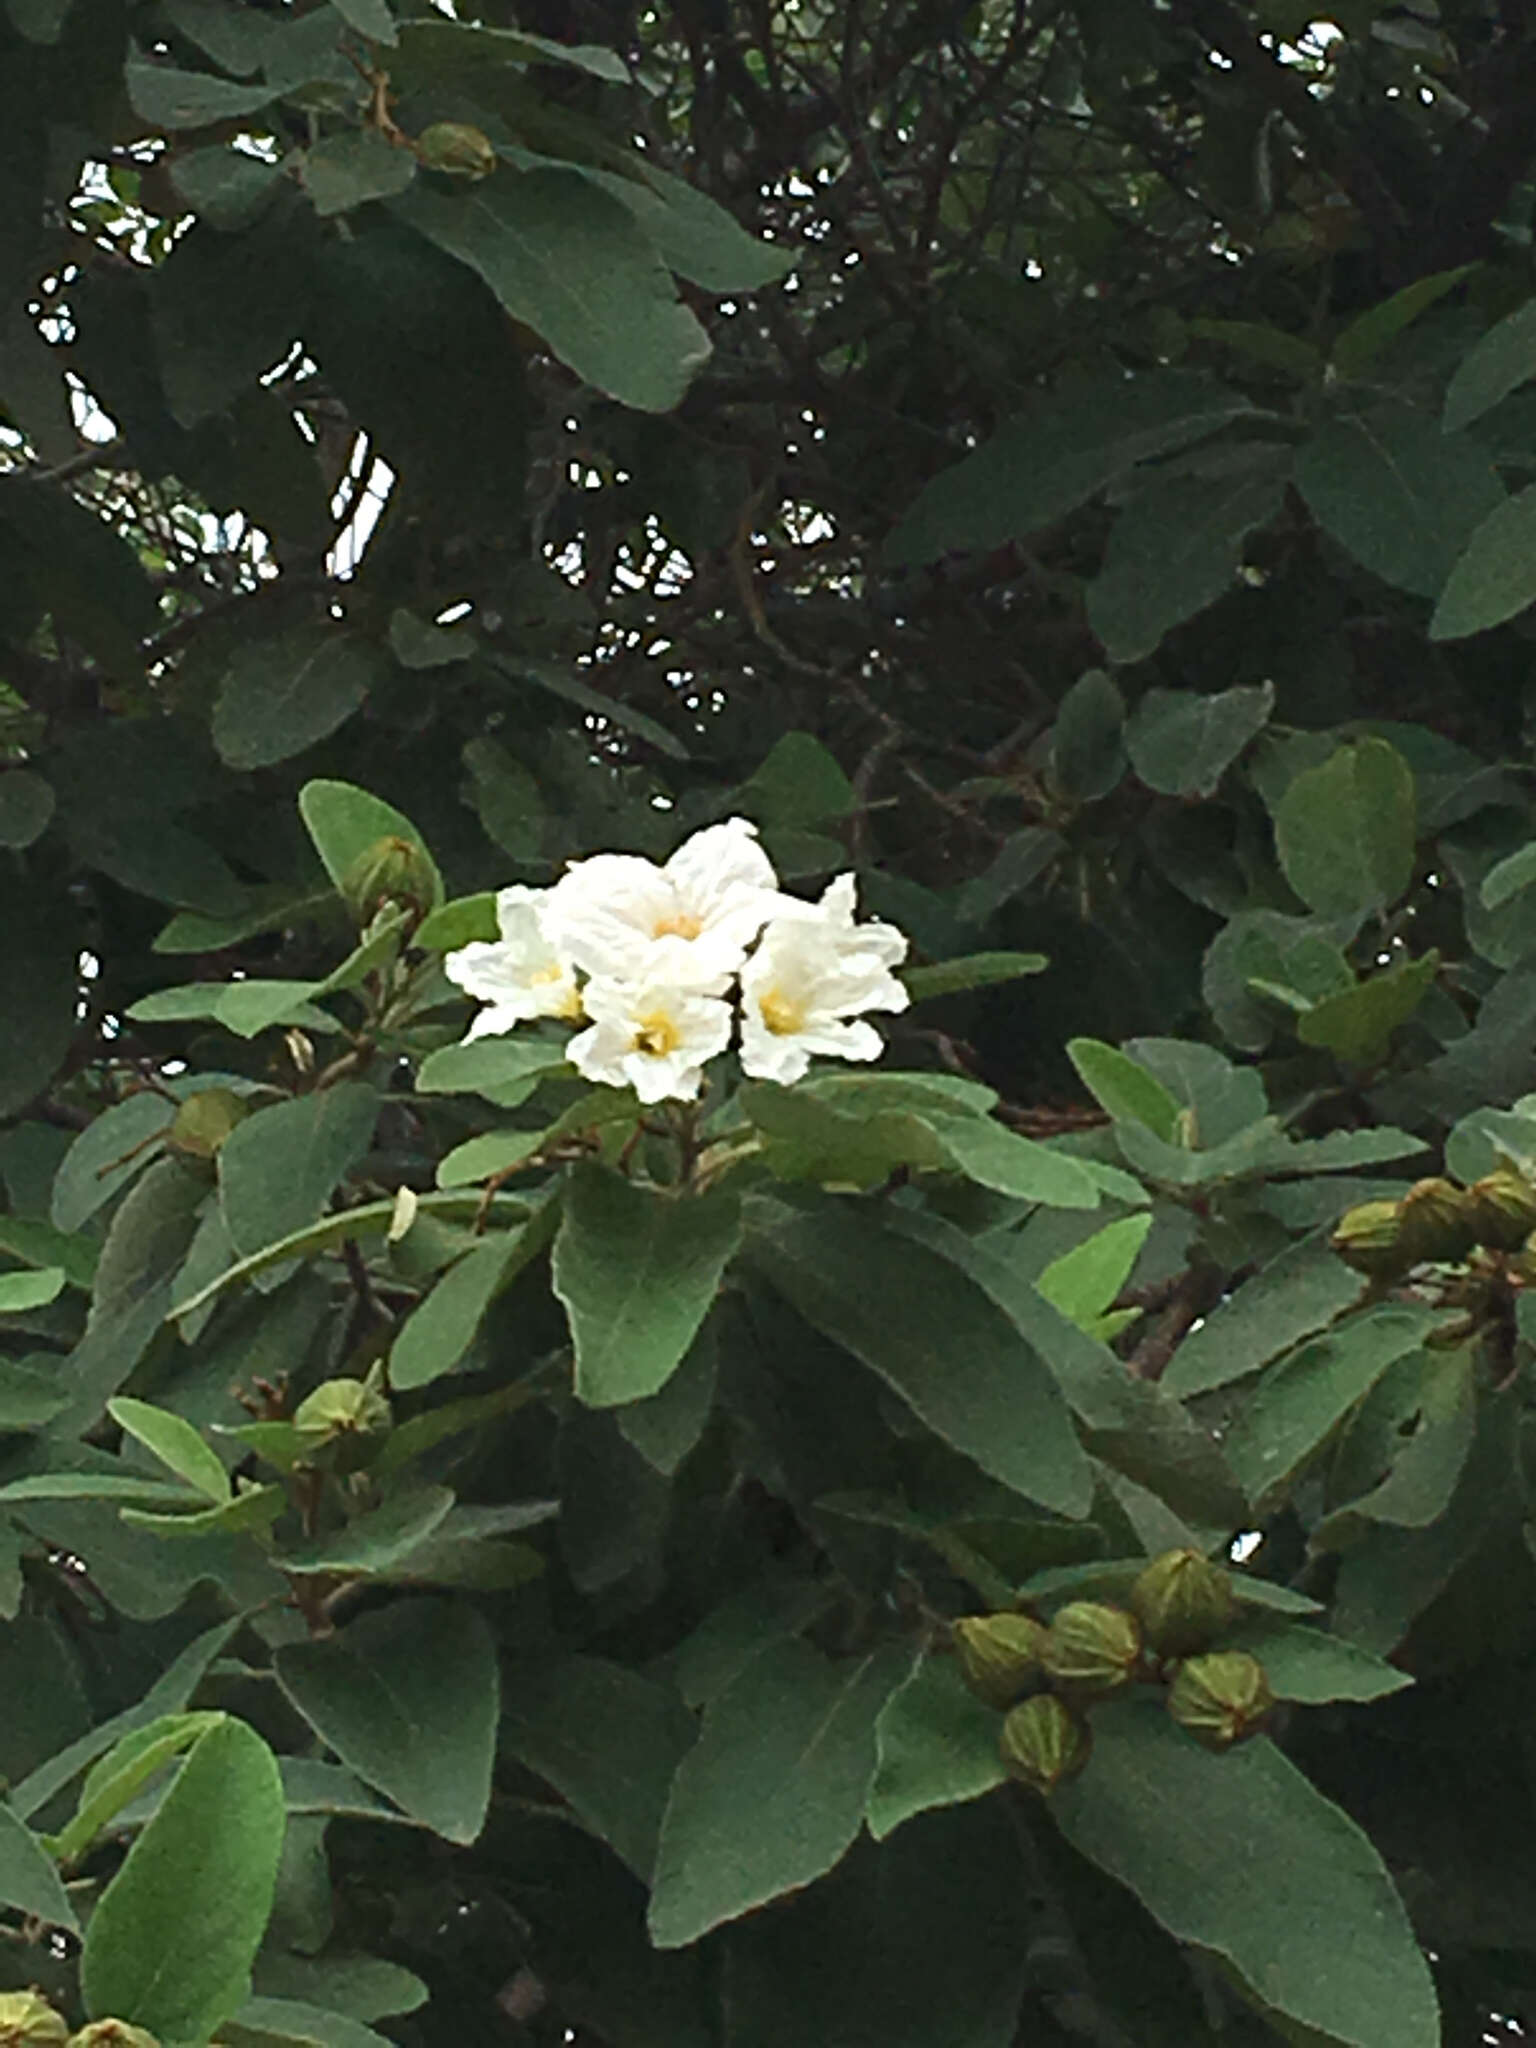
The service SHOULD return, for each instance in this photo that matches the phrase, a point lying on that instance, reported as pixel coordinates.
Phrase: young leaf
(175, 1443)
(1127, 1091)
(1083, 1282)
(638, 1270)
(22, 1291)
(196, 1886)
(408, 1699)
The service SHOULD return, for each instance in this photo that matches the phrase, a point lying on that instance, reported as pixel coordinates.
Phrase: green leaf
(1302, 1290)
(936, 1745)
(345, 822)
(26, 807)
(1073, 441)
(1298, 1404)
(1126, 1090)
(370, 1219)
(693, 234)
(506, 796)
(936, 1339)
(571, 262)
(1308, 1665)
(277, 1170)
(295, 2023)
(1369, 332)
(1504, 358)
(408, 1699)
(246, 1008)
(281, 696)
(1084, 1282)
(1088, 738)
(988, 1153)
(370, 18)
(168, 1695)
(29, 1880)
(225, 187)
(348, 170)
(436, 1335)
(607, 1739)
(29, 1399)
(22, 1291)
(568, 686)
(504, 1070)
(246, 1511)
(638, 1270)
(175, 1443)
(1357, 1024)
(1182, 744)
(459, 923)
(174, 1934)
(97, 1485)
(1400, 496)
(234, 41)
(168, 98)
(1345, 831)
(376, 1542)
(1507, 878)
(971, 970)
(1306, 1913)
(1175, 548)
(1494, 578)
(127, 1766)
(773, 1792)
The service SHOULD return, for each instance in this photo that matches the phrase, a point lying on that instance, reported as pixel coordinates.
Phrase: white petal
(493, 1022)
(604, 912)
(518, 913)
(720, 859)
(766, 1056)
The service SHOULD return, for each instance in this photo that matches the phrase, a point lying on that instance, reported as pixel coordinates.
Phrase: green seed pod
(1368, 1237)
(1503, 1205)
(999, 1654)
(1043, 1741)
(393, 871)
(342, 1413)
(112, 2034)
(457, 148)
(1221, 1697)
(1183, 1602)
(1092, 1649)
(204, 1121)
(27, 2020)
(1437, 1223)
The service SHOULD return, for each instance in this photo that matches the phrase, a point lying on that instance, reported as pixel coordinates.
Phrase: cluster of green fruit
(1045, 1676)
(1438, 1223)
(27, 2020)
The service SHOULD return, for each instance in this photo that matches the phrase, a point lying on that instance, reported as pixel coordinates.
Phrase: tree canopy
(901, 1416)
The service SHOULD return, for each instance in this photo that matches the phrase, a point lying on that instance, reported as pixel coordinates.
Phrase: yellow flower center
(783, 1017)
(656, 1035)
(682, 924)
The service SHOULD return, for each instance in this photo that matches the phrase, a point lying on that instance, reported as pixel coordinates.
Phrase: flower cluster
(651, 956)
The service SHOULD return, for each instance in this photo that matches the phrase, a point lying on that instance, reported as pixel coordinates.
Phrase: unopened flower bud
(1221, 1697)
(1091, 1649)
(27, 2020)
(1183, 1602)
(457, 148)
(1043, 1741)
(1437, 1223)
(393, 871)
(203, 1122)
(999, 1654)
(342, 1413)
(1369, 1238)
(1503, 1205)
(112, 2034)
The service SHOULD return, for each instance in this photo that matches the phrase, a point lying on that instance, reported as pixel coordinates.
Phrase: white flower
(814, 971)
(651, 1035)
(520, 976)
(690, 922)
